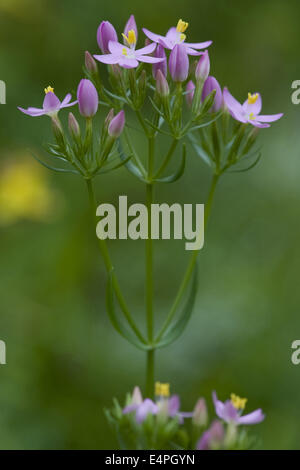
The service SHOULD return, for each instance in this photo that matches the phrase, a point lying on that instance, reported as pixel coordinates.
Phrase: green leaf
(132, 168)
(256, 161)
(119, 165)
(199, 151)
(110, 306)
(175, 176)
(57, 170)
(179, 326)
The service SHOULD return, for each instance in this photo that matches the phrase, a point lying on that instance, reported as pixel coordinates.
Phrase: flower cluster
(167, 86)
(160, 424)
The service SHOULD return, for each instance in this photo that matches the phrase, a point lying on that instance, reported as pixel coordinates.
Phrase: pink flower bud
(203, 67)
(88, 99)
(179, 63)
(200, 415)
(212, 84)
(90, 63)
(106, 32)
(131, 25)
(74, 128)
(190, 90)
(116, 125)
(162, 86)
(162, 66)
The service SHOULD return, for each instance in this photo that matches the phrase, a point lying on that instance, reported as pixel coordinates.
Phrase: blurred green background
(64, 361)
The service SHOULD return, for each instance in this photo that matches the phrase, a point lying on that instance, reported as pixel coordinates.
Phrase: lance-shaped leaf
(175, 176)
(256, 161)
(115, 167)
(57, 170)
(132, 168)
(118, 326)
(200, 151)
(179, 326)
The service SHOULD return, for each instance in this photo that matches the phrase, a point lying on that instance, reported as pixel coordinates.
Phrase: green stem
(142, 122)
(150, 374)
(149, 278)
(110, 268)
(167, 159)
(191, 265)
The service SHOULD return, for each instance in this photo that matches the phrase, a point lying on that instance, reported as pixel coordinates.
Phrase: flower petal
(258, 124)
(34, 112)
(147, 49)
(269, 117)
(128, 63)
(254, 108)
(219, 406)
(191, 51)
(232, 103)
(116, 48)
(173, 405)
(255, 417)
(66, 99)
(51, 103)
(109, 59)
(149, 60)
(154, 37)
(198, 45)
(130, 408)
(144, 409)
(173, 35)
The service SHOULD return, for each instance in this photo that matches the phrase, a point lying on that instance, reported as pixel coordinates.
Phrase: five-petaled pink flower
(175, 36)
(128, 57)
(249, 111)
(51, 105)
(231, 411)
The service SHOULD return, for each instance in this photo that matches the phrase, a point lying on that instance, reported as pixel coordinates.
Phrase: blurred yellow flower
(25, 193)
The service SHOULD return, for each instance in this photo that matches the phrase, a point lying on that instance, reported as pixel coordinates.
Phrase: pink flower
(51, 105)
(249, 111)
(128, 57)
(231, 411)
(175, 36)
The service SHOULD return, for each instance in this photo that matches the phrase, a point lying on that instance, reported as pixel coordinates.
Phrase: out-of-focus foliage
(64, 361)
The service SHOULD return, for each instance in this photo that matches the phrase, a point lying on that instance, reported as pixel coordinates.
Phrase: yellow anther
(238, 403)
(252, 98)
(162, 390)
(182, 37)
(131, 38)
(49, 89)
(124, 51)
(182, 26)
(252, 117)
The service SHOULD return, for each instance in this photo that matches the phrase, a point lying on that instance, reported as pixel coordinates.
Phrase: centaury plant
(167, 85)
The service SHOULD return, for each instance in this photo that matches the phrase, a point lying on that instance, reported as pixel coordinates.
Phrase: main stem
(149, 277)
(110, 268)
(191, 265)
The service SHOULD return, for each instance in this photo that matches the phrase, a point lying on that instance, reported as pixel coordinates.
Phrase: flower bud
(106, 32)
(162, 66)
(179, 63)
(136, 398)
(88, 99)
(213, 438)
(57, 130)
(162, 86)
(200, 416)
(131, 26)
(109, 118)
(190, 90)
(74, 128)
(203, 67)
(90, 63)
(116, 125)
(212, 84)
